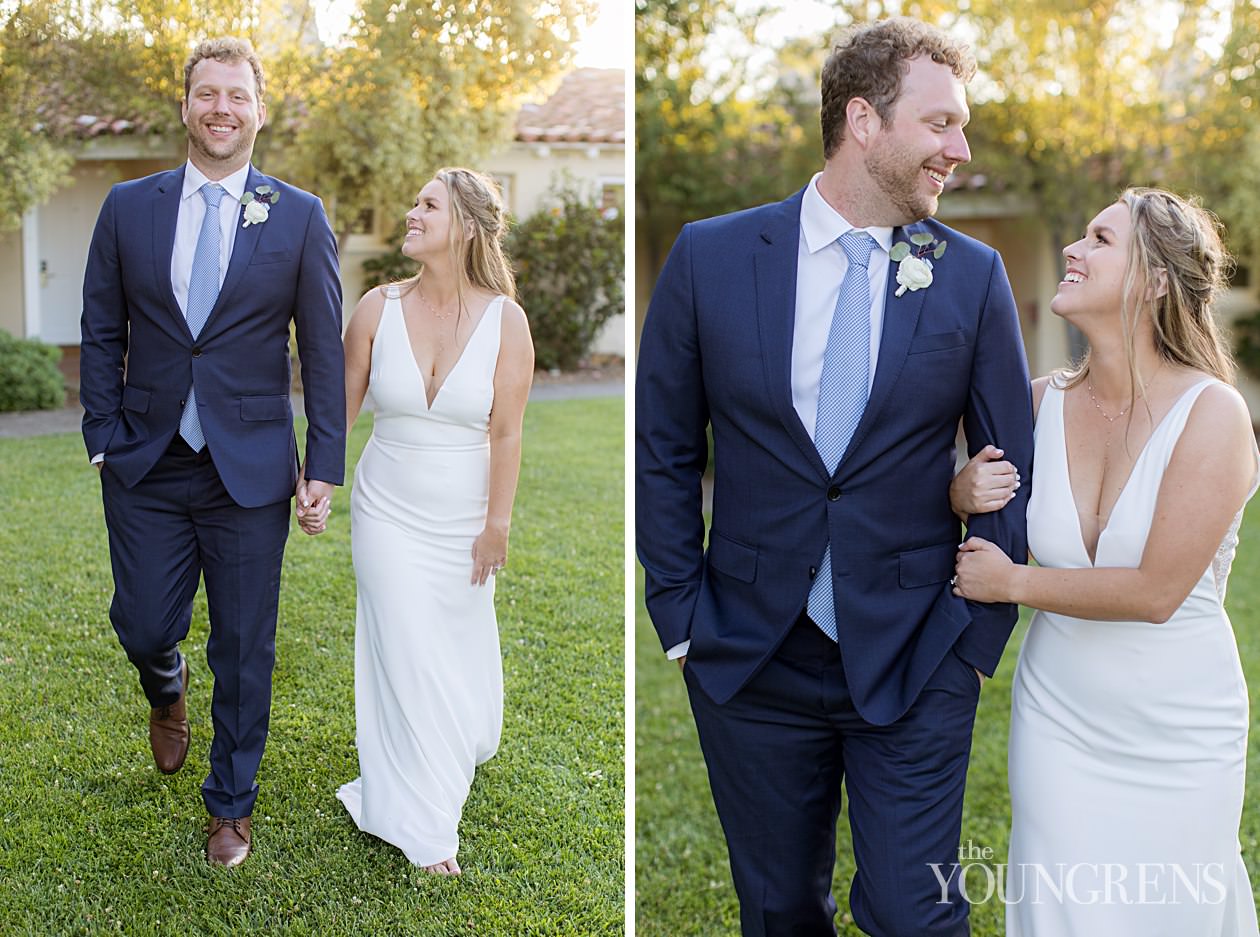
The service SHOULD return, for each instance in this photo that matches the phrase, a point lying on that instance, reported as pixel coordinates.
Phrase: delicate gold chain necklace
(1097, 406)
(433, 309)
(1108, 417)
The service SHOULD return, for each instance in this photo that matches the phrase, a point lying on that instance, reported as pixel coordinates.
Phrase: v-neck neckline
(424, 385)
(1124, 489)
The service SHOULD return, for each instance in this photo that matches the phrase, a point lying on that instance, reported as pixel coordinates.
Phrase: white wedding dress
(1128, 743)
(428, 677)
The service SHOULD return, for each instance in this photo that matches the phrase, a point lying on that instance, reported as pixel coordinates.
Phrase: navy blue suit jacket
(138, 358)
(716, 352)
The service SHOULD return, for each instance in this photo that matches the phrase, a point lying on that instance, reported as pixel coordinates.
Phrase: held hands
(489, 554)
(313, 504)
(983, 572)
(984, 484)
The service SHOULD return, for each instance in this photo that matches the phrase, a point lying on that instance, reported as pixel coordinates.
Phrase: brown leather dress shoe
(229, 841)
(168, 731)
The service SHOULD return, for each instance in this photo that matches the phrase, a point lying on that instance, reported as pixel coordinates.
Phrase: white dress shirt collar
(821, 224)
(234, 184)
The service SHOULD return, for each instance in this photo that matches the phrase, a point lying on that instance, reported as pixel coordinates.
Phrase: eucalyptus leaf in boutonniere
(914, 268)
(257, 204)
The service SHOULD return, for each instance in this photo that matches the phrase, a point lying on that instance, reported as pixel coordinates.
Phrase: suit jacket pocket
(927, 566)
(732, 558)
(937, 341)
(260, 409)
(133, 398)
(270, 257)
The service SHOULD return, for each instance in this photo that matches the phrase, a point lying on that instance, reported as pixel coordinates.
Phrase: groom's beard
(221, 151)
(898, 172)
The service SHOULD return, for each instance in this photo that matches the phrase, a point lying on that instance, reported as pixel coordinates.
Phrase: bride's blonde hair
(474, 240)
(1183, 240)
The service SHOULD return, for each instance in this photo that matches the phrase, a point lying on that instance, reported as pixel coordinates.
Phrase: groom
(192, 280)
(832, 345)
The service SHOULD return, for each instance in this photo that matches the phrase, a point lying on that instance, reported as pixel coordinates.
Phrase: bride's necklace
(1107, 416)
(441, 318)
(1097, 406)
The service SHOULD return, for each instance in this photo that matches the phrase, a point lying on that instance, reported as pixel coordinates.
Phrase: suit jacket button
(833, 493)
(813, 571)
(196, 352)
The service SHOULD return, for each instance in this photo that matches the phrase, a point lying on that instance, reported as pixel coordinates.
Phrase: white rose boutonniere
(257, 204)
(914, 269)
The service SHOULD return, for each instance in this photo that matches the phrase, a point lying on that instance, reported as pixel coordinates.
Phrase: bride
(447, 360)
(1129, 712)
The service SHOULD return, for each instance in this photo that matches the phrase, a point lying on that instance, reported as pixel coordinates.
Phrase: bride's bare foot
(445, 867)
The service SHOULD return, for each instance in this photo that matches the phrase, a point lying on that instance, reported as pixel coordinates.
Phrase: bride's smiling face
(1095, 265)
(428, 223)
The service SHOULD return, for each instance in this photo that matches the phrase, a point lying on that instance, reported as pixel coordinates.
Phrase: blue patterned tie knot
(842, 393)
(203, 291)
(857, 246)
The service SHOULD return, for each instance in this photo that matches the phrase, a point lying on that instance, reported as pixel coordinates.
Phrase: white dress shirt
(192, 210)
(820, 268)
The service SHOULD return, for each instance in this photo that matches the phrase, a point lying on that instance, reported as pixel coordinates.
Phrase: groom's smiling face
(223, 115)
(912, 155)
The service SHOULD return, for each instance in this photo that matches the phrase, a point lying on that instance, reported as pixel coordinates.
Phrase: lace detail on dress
(1224, 559)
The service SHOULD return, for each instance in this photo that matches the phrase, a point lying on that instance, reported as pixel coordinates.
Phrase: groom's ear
(861, 120)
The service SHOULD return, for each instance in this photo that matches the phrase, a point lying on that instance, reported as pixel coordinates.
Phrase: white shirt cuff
(99, 457)
(678, 650)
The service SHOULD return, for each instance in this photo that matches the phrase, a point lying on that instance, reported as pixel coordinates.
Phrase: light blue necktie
(203, 290)
(842, 393)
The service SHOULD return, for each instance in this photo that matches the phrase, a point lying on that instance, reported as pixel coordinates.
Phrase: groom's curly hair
(869, 60)
(229, 50)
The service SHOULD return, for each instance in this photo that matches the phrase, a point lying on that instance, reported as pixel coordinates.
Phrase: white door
(66, 222)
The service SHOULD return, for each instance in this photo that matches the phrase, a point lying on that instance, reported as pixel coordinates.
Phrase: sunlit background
(1072, 103)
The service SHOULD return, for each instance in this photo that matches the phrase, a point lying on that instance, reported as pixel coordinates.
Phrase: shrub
(1246, 334)
(29, 376)
(570, 262)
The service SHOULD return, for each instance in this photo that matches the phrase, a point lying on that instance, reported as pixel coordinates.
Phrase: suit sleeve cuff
(678, 650)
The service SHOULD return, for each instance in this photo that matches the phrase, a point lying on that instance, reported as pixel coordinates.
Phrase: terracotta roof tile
(588, 107)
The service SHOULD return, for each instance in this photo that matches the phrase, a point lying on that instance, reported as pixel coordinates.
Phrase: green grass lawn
(94, 840)
(682, 881)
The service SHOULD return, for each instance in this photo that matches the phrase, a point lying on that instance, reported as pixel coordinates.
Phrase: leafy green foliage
(1246, 334)
(570, 263)
(94, 840)
(421, 85)
(29, 376)
(703, 149)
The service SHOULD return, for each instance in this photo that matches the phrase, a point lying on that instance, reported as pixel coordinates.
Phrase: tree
(700, 147)
(419, 85)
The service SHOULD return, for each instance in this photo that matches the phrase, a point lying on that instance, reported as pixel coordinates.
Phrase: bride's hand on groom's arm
(986, 483)
(983, 573)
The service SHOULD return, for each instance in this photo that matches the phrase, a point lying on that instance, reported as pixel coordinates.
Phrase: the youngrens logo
(978, 879)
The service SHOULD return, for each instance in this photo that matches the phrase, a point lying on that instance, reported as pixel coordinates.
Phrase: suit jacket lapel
(774, 272)
(242, 247)
(901, 318)
(165, 214)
